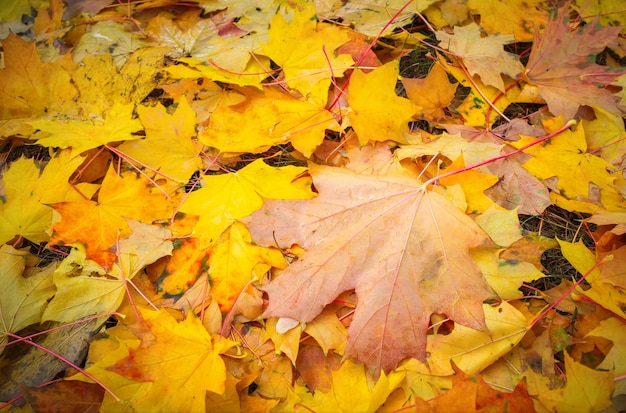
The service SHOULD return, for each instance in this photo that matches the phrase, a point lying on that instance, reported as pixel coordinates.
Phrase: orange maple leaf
(403, 250)
(98, 225)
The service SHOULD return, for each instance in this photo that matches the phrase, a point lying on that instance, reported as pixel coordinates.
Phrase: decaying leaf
(560, 66)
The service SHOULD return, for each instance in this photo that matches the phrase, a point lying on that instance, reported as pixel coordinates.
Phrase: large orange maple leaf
(404, 250)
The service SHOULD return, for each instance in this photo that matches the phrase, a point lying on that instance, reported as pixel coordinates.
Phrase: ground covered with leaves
(317, 206)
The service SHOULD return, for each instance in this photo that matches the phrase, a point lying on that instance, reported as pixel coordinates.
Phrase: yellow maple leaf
(474, 185)
(268, 117)
(564, 156)
(150, 365)
(108, 36)
(353, 390)
(22, 299)
(431, 94)
(496, 17)
(188, 261)
(587, 390)
(473, 350)
(83, 288)
(23, 212)
(235, 261)
(31, 88)
(614, 330)
(168, 146)
(305, 50)
(505, 276)
(233, 196)
(377, 113)
(82, 135)
(185, 353)
(102, 83)
(328, 331)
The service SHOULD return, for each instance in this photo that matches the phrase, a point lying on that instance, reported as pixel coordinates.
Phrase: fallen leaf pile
(262, 206)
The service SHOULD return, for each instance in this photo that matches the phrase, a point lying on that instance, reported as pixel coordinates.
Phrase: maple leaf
(67, 396)
(98, 225)
(233, 196)
(183, 268)
(474, 350)
(268, 117)
(235, 261)
(496, 16)
(377, 113)
(168, 146)
(390, 241)
(24, 212)
(565, 157)
(351, 391)
(560, 66)
(185, 34)
(186, 353)
(431, 94)
(103, 84)
(146, 244)
(82, 289)
(108, 36)
(22, 299)
(31, 88)
(372, 19)
(305, 50)
(473, 394)
(82, 135)
(483, 56)
(586, 390)
(614, 330)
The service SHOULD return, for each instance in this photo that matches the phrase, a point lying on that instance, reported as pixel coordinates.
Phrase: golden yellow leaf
(266, 118)
(233, 196)
(22, 299)
(82, 135)
(431, 94)
(473, 350)
(31, 88)
(505, 276)
(234, 262)
(168, 146)
(496, 17)
(501, 225)
(352, 391)
(474, 185)
(586, 390)
(82, 289)
(305, 50)
(565, 157)
(185, 352)
(377, 113)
